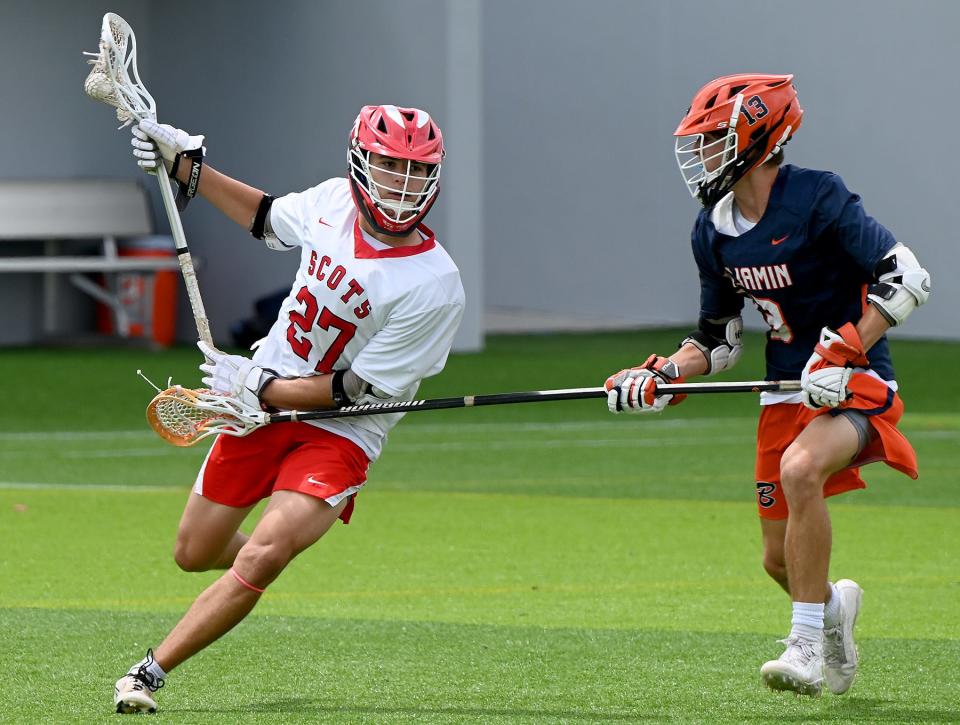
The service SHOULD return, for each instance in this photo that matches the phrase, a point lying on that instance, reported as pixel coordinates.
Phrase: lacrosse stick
(114, 80)
(183, 417)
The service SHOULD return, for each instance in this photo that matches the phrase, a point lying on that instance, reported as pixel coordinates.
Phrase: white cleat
(799, 669)
(132, 694)
(839, 650)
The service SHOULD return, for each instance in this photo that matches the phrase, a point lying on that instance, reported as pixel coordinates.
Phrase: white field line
(116, 487)
(623, 444)
(637, 426)
(72, 435)
(157, 452)
(631, 440)
(436, 446)
(623, 424)
(75, 435)
(644, 424)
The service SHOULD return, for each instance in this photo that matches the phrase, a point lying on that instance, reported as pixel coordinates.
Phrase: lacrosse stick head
(114, 79)
(182, 416)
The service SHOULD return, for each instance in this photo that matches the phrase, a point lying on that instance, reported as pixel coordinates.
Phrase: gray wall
(275, 87)
(49, 129)
(583, 211)
(586, 213)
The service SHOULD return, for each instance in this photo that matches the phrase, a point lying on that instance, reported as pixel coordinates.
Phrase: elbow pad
(901, 285)
(262, 229)
(350, 389)
(719, 341)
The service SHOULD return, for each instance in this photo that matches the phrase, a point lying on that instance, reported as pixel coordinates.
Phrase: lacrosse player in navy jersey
(829, 281)
(372, 310)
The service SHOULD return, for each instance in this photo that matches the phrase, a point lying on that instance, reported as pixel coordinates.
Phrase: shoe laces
(833, 653)
(143, 675)
(800, 649)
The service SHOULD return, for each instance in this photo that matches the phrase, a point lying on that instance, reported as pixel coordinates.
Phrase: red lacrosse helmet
(405, 134)
(734, 124)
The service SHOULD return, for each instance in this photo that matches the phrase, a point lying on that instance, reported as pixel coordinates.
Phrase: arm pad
(902, 285)
(348, 387)
(261, 228)
(258, 227)
(719, 341)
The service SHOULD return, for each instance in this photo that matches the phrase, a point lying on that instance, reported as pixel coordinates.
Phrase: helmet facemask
(696, 156)
(403, 205)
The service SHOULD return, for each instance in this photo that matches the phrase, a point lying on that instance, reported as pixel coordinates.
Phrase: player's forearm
(313, 393)
(236, 200)
(871, 327)
(690, 360)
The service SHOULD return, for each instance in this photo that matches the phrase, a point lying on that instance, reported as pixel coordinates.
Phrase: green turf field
(544, 563)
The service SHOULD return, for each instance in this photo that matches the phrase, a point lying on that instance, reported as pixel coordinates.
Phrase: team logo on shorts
(765, 494)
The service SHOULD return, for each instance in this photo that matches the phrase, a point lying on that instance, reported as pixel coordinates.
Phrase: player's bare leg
(774, 554)
(208, 536)
(826, 445)
(291, 523)
(840, 612)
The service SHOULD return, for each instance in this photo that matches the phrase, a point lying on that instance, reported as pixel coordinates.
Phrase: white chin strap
(398, 208)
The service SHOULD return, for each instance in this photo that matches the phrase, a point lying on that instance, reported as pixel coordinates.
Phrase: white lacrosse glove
(635, 389)
(234, 375)
(152, 140)
(826, 375)
(826, 387)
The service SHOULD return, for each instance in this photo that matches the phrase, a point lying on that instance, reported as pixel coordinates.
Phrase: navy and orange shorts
(300, 457)
(781, 423)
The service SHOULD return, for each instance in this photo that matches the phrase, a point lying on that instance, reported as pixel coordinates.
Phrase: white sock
(807, 621)
(151, 666)
(831, 610)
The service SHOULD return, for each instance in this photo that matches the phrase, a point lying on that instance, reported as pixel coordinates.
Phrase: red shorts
(781, 423)
(283, 457)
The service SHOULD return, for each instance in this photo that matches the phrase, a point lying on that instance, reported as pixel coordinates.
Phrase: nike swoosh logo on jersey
(315, 482)
(782, 239)
(321, 221)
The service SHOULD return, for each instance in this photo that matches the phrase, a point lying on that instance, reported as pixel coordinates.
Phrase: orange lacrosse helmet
(734, 124)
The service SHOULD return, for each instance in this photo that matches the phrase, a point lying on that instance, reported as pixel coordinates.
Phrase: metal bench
(59, 211)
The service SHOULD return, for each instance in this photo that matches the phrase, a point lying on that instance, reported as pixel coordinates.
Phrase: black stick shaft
(532, 396)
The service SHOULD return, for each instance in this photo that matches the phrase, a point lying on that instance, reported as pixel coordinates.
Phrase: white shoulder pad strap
(902, 285)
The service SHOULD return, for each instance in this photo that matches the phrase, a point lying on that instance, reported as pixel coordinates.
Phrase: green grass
(543, 563)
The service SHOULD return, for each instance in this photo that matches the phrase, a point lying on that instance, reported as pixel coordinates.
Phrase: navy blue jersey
(804, 265)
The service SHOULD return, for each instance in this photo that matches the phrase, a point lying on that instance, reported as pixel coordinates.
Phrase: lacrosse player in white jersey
(372, 311)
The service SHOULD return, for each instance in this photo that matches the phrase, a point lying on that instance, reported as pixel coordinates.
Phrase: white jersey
(389, 313)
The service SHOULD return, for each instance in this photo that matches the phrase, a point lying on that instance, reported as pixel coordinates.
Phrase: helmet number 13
(759, 109)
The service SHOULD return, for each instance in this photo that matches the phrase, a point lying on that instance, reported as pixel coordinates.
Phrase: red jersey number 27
(325, 319)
